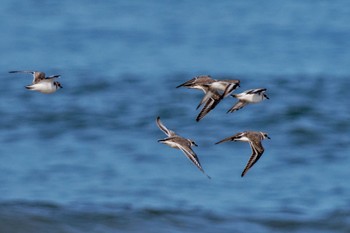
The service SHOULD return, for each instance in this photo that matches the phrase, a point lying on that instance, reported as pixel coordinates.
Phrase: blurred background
(86, 158)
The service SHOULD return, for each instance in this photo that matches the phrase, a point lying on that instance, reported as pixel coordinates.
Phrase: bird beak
(268, 137)
(266, 97)
(195, 144)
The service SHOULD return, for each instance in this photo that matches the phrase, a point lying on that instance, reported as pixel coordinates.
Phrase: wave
(22, 216)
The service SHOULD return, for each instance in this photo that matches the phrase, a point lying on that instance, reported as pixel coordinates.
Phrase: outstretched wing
(53, 76)
(230, 88)
(205, 98)
(225, 140)
(197, 80)
(240, 104)
(257, 151)
(162, 127)
(187, 83)
(209, 105)
(237, 136)
(22, 71)
(37, 75)
(193, 157)
(255, 91)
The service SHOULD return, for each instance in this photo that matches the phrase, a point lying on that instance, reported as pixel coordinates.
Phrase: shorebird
(254, 138)
(175, 141)
(214, 90)
(247, 97)
(41, 83)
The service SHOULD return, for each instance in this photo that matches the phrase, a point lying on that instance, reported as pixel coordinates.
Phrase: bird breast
(252, 98)
(171, 144)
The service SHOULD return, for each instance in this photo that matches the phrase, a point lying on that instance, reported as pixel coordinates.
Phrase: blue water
(86, 159)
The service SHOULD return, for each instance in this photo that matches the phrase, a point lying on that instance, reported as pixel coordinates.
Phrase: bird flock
(214, 92)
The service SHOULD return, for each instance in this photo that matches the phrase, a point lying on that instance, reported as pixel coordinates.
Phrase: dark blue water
(86, 159)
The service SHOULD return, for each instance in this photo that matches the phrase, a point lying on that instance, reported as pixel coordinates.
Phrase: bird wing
(53, 76)
(240, 104)
(255, 91)
(225, 140)
(162, 127)
(193, 157)
(197, 80)
(232, 138)
(37, 76)
(187, 83)
(209, 105)
(205, 98)
(230, 88)
(257, 151)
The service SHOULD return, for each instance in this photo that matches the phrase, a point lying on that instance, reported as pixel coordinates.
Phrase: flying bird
(248, 97)
(41, 83)
(214, 91)
(175, 141)
(254, 138)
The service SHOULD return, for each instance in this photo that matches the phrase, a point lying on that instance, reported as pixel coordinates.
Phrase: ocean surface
(86, 158)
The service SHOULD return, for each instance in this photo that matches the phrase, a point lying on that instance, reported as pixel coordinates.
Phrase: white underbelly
(252, 98)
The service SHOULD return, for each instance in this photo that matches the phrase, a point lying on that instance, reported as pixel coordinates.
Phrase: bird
(214, 91)
(254, 138)
(207, 84)
(41, 83)
(175, 141)
(247, 97)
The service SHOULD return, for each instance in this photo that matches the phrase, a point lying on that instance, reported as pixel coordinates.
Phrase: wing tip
(244, 171)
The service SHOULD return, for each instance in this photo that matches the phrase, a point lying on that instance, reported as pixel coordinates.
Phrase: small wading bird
(248, 97)
(214, 90)
(41, 83)
(254, 139)
(175, 141)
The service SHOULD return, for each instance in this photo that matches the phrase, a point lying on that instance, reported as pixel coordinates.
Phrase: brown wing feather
(209, 105)
(240, 104)
(162, 127)
(193, 157)
(257, 151)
